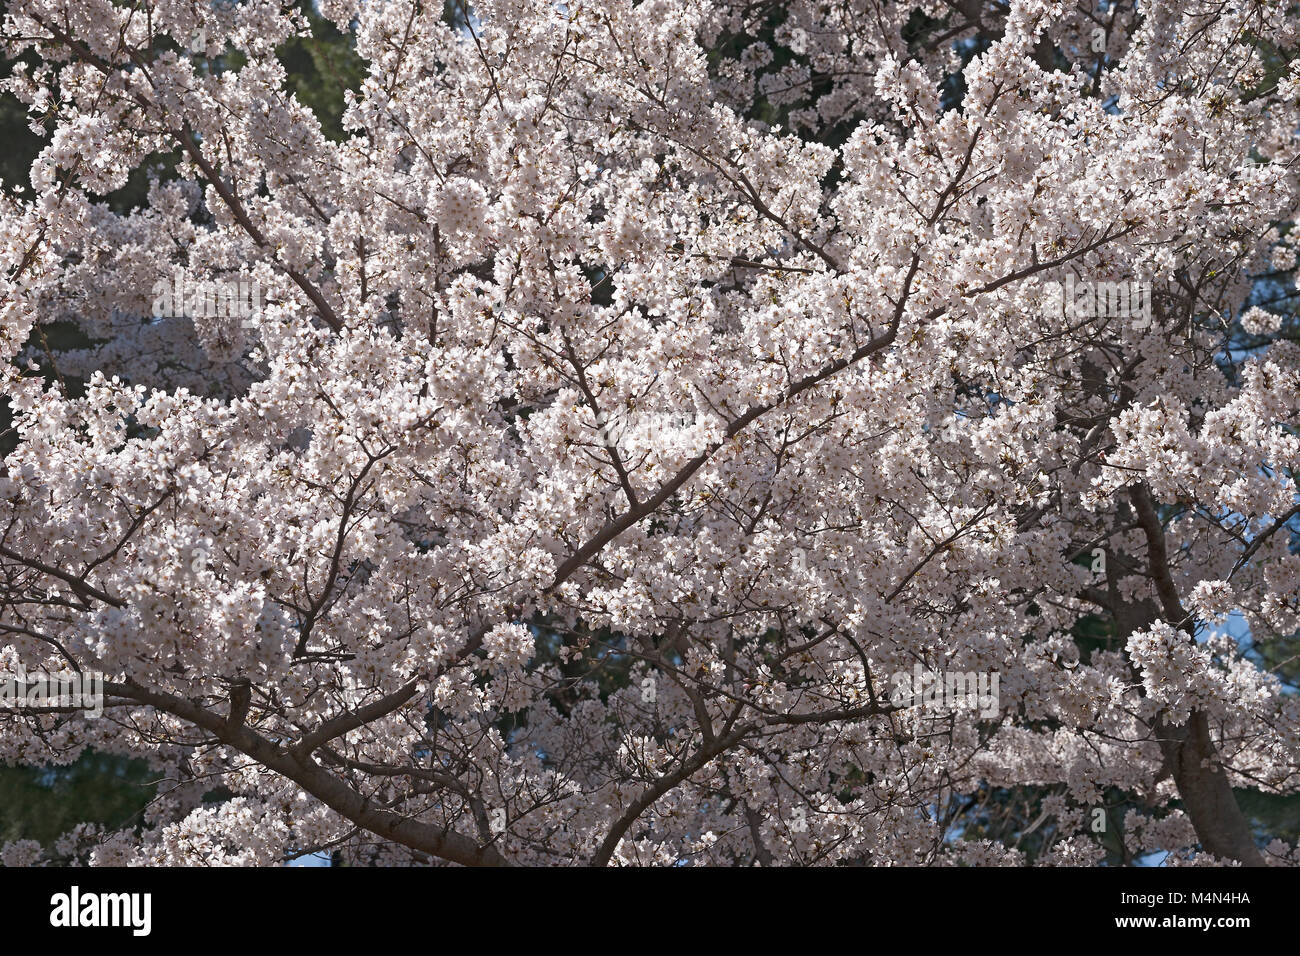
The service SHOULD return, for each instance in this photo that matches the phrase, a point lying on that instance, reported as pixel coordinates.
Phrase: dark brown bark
(1189, 751)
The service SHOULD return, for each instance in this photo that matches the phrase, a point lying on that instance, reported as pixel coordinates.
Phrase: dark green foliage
(321, 69)
(41, 803)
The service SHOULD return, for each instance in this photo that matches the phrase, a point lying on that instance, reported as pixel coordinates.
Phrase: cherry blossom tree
(632, 393)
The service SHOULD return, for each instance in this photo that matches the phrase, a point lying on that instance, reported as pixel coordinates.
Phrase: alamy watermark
(1100, 300)
(62, 691)
(644, 431)
(75, 908)
(182, 296)
(946, 691)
